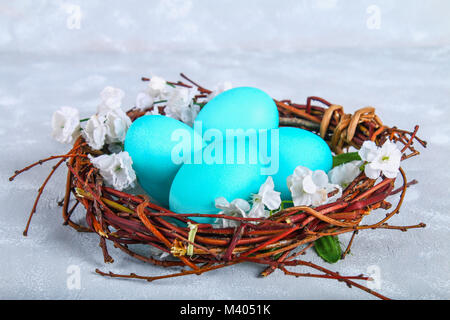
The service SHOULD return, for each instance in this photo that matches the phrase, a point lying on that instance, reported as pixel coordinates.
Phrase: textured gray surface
(408, 85)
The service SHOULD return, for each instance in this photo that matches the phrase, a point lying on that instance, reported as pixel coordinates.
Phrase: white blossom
(95, 132)
(235, 208)
(188, 115)
(143, 100)
(311, 188)
(180, 105)
(218, 89)
(266, 197)
(111, 99)
(66, 125)
(117, 123)
(345, 173)
(111, 123)
(116, 169)
(153, 111)
(157, 87)
(385, 159)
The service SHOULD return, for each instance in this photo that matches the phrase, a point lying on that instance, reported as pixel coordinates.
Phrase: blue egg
(239, 108)
(196, 186)
(158, 146)
(298, 147)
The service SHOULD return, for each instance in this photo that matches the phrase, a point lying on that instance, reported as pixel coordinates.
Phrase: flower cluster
(267, 197)
(108, 126)
(110, 123)
(311, 188)
(66, 125)
(380, 160)
(235, 208)
(116, 169)
(157, 90)
(219, 88)
(179, 101)
(180, 105)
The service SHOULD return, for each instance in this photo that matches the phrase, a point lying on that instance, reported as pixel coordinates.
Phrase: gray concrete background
(293, 49)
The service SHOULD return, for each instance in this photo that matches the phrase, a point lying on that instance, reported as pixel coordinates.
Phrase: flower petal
(143, 100)
(308, 185)
(222, 203)
(320, 178)
(241, 204)
(267, 186)
(272, 200)
(371, 172)
(368, 151)
(345, 173)
(257, 211)
(390, 174)
(301, 171)
(301, 199)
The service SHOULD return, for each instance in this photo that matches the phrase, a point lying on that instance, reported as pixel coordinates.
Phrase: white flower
(117, 123)
(66, 125)
(384, 160)
(179, 105)
(111, 123)
(188, 115)
(157, 87)
(111, 99)
(95, 132)
(143, 100)
(154, 111)
(345, 173)
(116, 169)
(266, 197)
(311, 188)
(368, 151)
(221, 87)
(237, 208)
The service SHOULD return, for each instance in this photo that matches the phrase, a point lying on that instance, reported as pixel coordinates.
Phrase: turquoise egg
(239, 108)
(298, 147)
(196, 186)
(157, 155)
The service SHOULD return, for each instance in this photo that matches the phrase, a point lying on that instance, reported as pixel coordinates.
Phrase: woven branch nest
(275, 242)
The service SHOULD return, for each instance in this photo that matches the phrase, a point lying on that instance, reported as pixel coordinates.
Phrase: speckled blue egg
(149, 143)
(196, 186)
(239, 108)
(298, 147)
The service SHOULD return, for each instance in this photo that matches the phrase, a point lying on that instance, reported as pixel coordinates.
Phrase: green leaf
(286, 204)
(345, 157)
(328, 248)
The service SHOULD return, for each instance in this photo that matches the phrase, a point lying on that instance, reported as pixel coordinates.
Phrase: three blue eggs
(186, 168)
